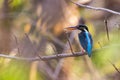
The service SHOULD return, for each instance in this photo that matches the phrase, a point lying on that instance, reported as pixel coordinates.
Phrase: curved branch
(96, 8)
(58, 56)
(44, 58)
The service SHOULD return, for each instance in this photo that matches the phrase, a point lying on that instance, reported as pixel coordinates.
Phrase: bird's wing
(91, 40)
(85, 43)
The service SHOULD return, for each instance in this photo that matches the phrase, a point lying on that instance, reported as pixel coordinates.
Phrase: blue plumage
(86, 41)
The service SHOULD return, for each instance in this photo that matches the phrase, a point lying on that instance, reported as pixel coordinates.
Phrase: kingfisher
(85, 38)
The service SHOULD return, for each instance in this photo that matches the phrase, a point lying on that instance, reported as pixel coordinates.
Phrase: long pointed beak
(70, 28)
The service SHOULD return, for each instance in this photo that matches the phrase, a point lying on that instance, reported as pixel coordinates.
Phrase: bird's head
(81, 27)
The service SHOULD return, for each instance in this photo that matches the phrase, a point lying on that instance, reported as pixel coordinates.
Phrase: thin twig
(69, 43)
(55, 50)
(17, 44)
(114, 66)
(106, 28)
(35, 51)
(96, 8)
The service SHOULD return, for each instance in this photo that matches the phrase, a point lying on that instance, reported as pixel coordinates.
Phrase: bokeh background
(44, 21)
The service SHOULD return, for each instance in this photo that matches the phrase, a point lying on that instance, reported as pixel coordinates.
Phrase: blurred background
(29, 28)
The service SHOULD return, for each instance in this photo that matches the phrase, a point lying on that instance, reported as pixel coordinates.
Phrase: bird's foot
(82, 50)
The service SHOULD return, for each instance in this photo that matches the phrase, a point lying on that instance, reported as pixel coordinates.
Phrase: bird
(85, 38)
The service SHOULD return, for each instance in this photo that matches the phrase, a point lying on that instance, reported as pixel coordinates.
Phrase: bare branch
(53, 47)
(106, 27)
(55, 50)
(114, 66)
(69, 43)
(96, 8)
(17, 44)
(35, 51)
(63, 55)
(44, 58)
